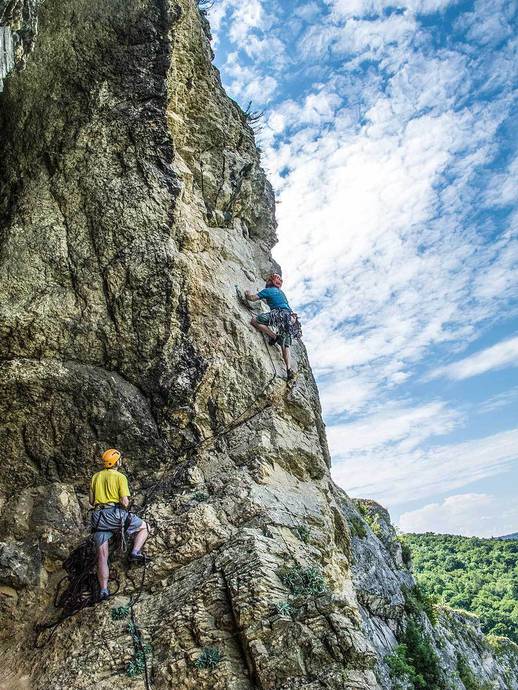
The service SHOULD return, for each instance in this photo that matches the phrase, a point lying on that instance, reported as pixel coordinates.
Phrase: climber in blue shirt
(280, 317)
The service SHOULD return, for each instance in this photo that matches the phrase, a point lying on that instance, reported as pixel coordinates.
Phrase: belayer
(280, 324)
(109, 494)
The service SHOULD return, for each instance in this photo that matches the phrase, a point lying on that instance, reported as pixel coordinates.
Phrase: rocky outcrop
(132, 204)
(18, 28)
(390, 602)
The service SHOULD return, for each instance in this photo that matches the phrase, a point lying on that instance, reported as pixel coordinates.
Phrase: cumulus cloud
(373, 238)
(466, 514)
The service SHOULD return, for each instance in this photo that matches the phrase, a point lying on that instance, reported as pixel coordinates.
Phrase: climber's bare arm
(91, 497)
(251, 296)
(124, 501)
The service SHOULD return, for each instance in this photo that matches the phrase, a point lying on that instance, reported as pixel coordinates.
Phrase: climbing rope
(76, 590)
(136, 633)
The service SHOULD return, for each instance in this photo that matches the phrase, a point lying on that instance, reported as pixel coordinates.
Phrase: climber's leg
(140, 537)
(140, 531)
(260, 322)
(103, 572)
(286, 357)
(284, 340)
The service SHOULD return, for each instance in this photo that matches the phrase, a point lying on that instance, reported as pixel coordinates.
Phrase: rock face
(132, 203)
(18, 28)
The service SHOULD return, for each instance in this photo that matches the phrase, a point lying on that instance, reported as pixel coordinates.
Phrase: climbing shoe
(273, 341)
(139, 558)
(290, 375)
(104, 594)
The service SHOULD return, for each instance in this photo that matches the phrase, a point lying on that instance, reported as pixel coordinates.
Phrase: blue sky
(389, 135)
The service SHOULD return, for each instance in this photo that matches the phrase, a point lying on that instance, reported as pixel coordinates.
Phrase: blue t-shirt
(275, 298)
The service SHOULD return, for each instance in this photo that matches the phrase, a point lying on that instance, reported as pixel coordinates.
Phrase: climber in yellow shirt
(109, 495)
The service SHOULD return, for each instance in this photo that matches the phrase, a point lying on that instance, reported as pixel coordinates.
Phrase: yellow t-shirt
(109, 486)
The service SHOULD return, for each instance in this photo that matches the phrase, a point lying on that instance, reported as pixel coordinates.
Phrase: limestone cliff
(132, 203)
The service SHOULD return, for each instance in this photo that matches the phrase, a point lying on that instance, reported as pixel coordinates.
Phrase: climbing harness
(286, 323)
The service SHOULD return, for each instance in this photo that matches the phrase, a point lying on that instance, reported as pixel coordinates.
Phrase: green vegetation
(417, 600)
(415, 661)
(406, 552)
(477, 575)
(137, 665)
(468, 677)
(501, 645)
(209, 658)
(120, 612)
(402, 670)
(303, 581)
(372, 518)
(141, 650)
(303, 533)
(284, 608)
(357, 527)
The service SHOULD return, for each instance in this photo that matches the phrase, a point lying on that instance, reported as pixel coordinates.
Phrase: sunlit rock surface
(132, 203)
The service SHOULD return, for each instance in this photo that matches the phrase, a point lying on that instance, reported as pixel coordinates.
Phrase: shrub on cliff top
(414, 661)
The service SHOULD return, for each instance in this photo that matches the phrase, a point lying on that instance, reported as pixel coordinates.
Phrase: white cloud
(393, 476)
(356, 209)
(488, 24)
(392, 426)
(247, 16)
(499, 279)
(362, 8)
(466, 514)
(248, 84)
(348, 393)
(503, 190)
(308, 11)
(504, 354)
(497, 402)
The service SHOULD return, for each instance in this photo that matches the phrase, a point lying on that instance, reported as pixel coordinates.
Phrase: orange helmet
(275, 279)
(111, 457)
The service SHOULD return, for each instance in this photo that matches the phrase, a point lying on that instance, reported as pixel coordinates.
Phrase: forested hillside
(478, 575)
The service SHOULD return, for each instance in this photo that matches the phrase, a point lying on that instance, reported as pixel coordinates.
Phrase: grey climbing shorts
(109, 520)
